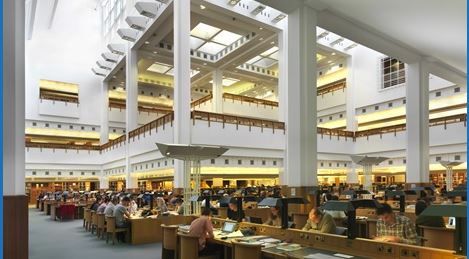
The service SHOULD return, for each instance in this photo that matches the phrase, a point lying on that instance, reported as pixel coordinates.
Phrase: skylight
(167, 69)
(227, 81)
(210, 39)
(204, 31)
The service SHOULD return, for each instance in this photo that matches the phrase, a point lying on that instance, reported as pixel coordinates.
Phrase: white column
(13, 97)
(182, 83)
(217, 91)
(103, 181)
(131, 110)
(104, 129)
(282, 91)
(351, 120)
(301, 110)
(417, 166)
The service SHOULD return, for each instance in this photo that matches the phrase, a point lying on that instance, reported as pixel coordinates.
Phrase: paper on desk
(235, 234)
(343, 256)
(270, 240)
(320, 256)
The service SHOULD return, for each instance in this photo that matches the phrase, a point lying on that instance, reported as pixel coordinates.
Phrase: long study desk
(313, 242)
(148, 230)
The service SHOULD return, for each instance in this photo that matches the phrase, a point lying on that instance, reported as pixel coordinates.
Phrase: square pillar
(301, 103)
(182, 83)
(15, 202)
(217, 91)
(351, 120)
(131, 109)
(104, 129)
(417, 117)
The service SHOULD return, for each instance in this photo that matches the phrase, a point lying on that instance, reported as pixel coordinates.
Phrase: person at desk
(428, 221)
(161, 205)
(394, 228)
(179, 207)
(103, 205)
(202, 227)
(133, 207)
(122, 215)
(274, 218)
(233, 211)
(109, 210)
(320, 221)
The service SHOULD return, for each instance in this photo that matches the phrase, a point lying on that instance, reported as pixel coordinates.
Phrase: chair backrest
(300, 220)
(87, 214)
(100, 220)
(169, 236)
(246, 251)
(94, 217)
(110, 224)
(189, 246)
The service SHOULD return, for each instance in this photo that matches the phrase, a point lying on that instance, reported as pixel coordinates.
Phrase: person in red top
(202, 227)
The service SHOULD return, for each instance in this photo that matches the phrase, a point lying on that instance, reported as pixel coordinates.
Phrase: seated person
(394, 228)
(427, 221)
(179, 207)
(109, 210)
(202, 227)
(133, 207)
(95, 204)
(103, 205)
(161, 205)
(121, 213)
(233, 211)
(275, 219)
(320, 221)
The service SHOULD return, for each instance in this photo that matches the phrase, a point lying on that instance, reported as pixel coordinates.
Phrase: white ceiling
(434, 28)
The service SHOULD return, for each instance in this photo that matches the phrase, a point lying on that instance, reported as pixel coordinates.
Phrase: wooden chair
(111, 229)
(94, 221)
(189, 248)
(246, 251)
(169, 234)
(87, 219)
(101, 225)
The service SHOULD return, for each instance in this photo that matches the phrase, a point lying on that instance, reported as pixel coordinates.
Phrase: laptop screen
(229, 227)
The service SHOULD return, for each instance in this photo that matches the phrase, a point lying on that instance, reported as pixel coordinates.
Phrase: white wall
(65, 52)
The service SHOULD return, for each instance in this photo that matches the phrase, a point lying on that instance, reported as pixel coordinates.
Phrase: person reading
(394, 228)
(233, 211)
(320, 221)
(203, 229)
(274, 218)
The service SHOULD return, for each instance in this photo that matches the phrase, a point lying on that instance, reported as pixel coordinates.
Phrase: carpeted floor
(68, 240)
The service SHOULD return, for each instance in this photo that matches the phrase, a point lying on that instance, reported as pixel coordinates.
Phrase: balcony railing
(236, 120)
(249, 122)
(202, 100)
(332, 87)
(250, 100)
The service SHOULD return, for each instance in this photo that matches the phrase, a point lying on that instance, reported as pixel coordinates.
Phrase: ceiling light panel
(254, 60)
(195, 42)
(211, 48)
(159, 68)
(226, 37)
(265, 62)
(204, 31)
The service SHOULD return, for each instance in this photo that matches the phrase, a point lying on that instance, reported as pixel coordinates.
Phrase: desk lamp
(397, 194)
(452, 210)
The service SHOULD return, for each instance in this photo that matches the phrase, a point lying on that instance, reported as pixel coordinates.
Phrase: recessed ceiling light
(155, 52)
(329, 61)
(260, 28)
(261, 38)
(202, 7)
(272, 42)
(147, 42)
(333, 54)
(205, 64)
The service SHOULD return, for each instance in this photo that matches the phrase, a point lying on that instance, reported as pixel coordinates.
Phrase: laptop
(227, 228)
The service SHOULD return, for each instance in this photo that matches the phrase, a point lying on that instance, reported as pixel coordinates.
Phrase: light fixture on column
(350, 47)
(449, 172)
(322, 35)
(102, 65)
(98, 73)
(258, 9)
(338, 41)
(118, 49)
(109, 57)
(147, 9)
(233, 2)
(137, 22)
(127, 34)
(367, 162)
(278, 18)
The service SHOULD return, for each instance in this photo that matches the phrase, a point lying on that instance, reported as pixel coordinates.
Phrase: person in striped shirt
(394, 228)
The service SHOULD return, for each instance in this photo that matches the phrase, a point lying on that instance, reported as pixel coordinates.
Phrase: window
(47, 125)
(82, 173)
(47, 173)
(166, 163)
(212, 161)
(82, 128)
(363, 110)
(393, 72)
(93, 173)
(390, 162)
(59, 126)
(322, 164)
(263, 162)
(389, 105)
(438, 158)
(93, 128)
(70, 127)
(70, 173)
(275, 162)
(457, 157)
(437, 94)
(252, 162)
(34, 172)
(59, 173)
(404, 161)
(457, 90)
(34, 123)
(240, 162)
(376, 107)
(227, 161)
(404, 101)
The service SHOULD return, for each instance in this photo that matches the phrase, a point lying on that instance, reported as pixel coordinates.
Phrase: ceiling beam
(30, 19)
(52, 15)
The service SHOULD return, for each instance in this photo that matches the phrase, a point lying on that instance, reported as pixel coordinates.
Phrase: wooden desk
(148, 230)
(442, 238)
(359, 248)
(42, 205)
(262, 213)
